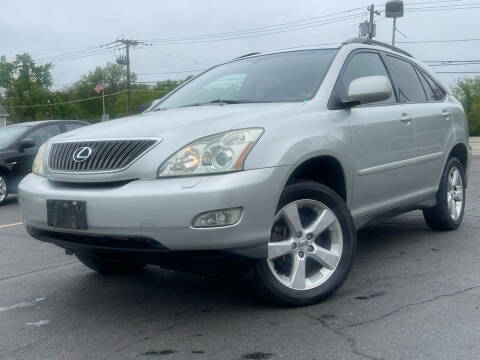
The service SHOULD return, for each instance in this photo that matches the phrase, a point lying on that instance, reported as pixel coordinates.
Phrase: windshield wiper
(218, 101)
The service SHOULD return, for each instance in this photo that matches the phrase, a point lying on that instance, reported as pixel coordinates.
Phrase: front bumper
(162, 210)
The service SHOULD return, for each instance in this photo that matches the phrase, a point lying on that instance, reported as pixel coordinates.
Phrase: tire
(327, 254)
(109, 267)
(442, 217)
(3, 189)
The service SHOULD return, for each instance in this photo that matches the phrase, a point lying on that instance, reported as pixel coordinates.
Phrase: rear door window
(409, 86)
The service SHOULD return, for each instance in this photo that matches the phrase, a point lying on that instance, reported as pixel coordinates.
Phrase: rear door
(381, 140)
(432, 121)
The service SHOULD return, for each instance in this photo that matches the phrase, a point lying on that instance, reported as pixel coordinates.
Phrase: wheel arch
(460, 151)
(4, 170)
(324, 169)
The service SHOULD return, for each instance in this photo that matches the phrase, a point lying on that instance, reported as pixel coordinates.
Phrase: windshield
(9, 134)
(285, 77)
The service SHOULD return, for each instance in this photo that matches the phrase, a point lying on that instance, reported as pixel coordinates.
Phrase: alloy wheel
(306, 244)
(3, 188)
(455, 193)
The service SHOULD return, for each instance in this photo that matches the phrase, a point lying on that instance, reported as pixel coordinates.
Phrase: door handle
(407, 119)
(446, 114)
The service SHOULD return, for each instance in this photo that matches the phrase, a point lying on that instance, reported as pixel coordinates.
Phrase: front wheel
(109, 267)
(311, 248)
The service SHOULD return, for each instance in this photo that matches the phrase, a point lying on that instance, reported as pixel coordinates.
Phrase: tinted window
(291, 76)
(73, 126)
(362, 65)
(9, 134)
(428, 89)
(42, 134)
(437, 90)
(409, 86)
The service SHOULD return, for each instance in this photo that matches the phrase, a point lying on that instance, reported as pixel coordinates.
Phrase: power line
(457, 72)
(256, 29)
(442, 6)
(437, 41)
(446, 9)
(174, 56)
(249, 34)
(65, 102)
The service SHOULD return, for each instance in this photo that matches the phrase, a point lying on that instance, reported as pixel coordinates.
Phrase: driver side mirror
(26, 144)
(367, 90)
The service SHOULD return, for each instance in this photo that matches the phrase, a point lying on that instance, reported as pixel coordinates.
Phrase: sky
(49, 29)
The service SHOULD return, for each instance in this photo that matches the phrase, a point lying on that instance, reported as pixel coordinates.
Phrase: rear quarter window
(409, 86)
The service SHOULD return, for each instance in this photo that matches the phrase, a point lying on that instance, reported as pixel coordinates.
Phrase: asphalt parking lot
(412, 294)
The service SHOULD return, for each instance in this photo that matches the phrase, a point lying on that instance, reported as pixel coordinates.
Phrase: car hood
(187, 122)
(174, 128)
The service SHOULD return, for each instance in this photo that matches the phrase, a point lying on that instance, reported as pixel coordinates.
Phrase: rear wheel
(3, 189)
(448, 214)
(311, 248)
(109, 267)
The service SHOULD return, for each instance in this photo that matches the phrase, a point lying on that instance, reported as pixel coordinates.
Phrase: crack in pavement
(37, 270)
(406, 306)
(350, 340)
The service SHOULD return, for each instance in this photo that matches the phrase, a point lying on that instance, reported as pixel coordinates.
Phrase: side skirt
(425, 202)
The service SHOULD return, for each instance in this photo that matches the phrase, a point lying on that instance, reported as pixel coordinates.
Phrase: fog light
(218, 218)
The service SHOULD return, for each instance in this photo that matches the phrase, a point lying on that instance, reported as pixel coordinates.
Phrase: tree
(23, 83)
(468, 92)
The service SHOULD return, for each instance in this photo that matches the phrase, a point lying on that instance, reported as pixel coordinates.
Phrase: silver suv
(277, 158)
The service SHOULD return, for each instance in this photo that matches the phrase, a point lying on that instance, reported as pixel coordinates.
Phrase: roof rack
(246, 55)
(376, 43)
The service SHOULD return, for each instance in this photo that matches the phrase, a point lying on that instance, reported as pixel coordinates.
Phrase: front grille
(106, 155)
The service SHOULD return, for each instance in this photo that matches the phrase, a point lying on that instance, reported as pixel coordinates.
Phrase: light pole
(394, 9)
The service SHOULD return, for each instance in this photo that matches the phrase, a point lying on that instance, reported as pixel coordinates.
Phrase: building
(3, 116)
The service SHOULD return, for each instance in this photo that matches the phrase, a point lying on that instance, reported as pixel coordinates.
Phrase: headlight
(38, 167)
(219, 153)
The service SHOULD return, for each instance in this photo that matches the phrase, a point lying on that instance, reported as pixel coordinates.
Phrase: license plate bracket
(67, 214)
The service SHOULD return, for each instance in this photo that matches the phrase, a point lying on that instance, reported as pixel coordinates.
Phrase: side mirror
(367, 90)
(26, 144)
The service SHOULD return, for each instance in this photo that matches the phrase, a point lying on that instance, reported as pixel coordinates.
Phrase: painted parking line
(10, 225)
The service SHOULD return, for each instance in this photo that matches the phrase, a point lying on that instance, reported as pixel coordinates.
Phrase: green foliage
(24, 83)
(24, 86)
(468, 92)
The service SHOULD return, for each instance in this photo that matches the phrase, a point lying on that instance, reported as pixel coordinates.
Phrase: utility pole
(394, 30)
(127, 54)
(125, 60)
(368, 28)
(371, 27)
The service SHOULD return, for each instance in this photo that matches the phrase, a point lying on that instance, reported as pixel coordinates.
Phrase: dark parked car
(19, 144)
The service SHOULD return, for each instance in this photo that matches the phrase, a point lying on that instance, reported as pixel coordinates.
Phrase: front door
(383, 140)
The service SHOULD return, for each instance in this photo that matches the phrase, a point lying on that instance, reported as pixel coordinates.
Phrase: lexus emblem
(82, 154)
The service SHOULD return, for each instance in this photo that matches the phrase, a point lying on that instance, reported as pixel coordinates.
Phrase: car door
(435, 132)
(22, 161)
(382, 140)
(431, 123)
